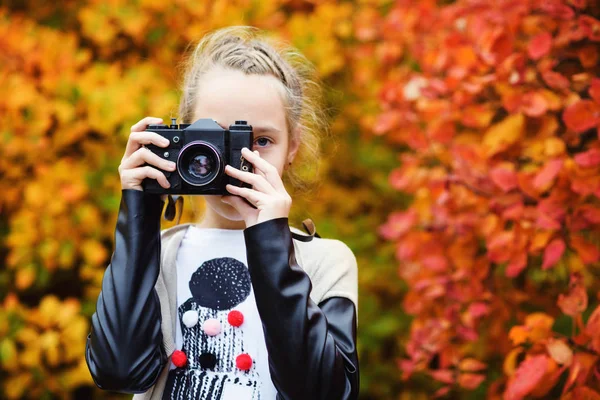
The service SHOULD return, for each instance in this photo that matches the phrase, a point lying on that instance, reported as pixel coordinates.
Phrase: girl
(231, 307)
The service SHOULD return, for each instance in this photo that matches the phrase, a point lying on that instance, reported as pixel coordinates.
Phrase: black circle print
(220, 283)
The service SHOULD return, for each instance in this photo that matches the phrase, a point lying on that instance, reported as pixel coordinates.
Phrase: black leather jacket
(312, 348)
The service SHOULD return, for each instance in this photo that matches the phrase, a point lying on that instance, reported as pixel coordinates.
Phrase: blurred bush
(76, 76)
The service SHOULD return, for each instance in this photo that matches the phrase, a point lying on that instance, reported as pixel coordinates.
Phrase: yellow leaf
(502, 135)
(510, 362)
(25, 277)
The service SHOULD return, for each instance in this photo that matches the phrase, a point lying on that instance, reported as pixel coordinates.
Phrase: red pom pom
(179, 359)
(243, 362)
(235, 318)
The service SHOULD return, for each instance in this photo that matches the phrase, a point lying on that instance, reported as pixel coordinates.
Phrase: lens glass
(200, 166)
(199, 163)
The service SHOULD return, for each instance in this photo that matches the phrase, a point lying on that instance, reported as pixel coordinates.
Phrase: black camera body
(201, 151)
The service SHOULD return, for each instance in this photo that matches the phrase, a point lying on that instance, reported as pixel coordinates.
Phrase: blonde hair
(247, 49)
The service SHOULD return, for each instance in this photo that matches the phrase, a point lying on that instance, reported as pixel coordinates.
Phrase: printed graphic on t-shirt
(217, 365)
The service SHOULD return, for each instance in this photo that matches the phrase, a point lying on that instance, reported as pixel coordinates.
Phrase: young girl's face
(228, 95)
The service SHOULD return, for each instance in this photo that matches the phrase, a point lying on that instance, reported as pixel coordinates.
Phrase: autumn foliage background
(463, 171)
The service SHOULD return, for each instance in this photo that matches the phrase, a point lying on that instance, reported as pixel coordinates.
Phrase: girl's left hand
(267, 193)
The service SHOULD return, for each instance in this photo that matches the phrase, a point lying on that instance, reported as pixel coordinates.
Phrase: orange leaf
(539, 46)
(588, 252)
(582, 115)
(470, 381)
(471, 365)
(518, 334)
(553, 253)
(526, 377)
(576, 301)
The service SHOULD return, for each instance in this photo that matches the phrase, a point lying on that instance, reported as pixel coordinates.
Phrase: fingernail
(171, 165)
(166, 141)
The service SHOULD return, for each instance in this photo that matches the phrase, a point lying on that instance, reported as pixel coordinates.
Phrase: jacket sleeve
(312, 348)
(124, 350)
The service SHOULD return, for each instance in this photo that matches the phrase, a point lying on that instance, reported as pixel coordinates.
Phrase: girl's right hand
(132, 169)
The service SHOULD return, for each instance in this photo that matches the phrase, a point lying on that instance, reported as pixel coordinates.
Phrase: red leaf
(592, 328)
(590, 213)
(398, 224)
(504, 178)
(576, 301)
(553, 253)
(590, 158)
(443, 375)
(514, 212)
(558, 10)
(526, 377)
(435, 262)
(441, 392)
(582, 115)
(591, 26)
(544, 177)
(478, 310)
(534, 104)
(555, 80)
(581, 4)
(539, 46)
(516, 265)
(594, 90)
(386, 122)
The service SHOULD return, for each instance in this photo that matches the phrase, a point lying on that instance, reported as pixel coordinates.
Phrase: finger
(138, 139)
(258, 171)
(258, 182)
(142, 124)
(143, 155)
(253, 196)
(270, 172)
(141, 173)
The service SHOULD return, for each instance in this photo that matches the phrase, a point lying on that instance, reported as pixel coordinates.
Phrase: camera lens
(199, 163)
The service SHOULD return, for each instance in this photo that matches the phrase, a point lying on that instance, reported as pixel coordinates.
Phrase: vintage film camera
(201, 150)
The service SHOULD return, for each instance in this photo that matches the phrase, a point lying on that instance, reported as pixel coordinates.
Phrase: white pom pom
(190, 318)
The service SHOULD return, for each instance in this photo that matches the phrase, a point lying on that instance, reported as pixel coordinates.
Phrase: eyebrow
(264, 128)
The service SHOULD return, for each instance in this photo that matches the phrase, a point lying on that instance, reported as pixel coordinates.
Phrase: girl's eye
(262, 141)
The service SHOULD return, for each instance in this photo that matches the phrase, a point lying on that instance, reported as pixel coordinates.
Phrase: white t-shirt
(212, 281)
